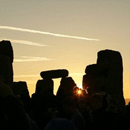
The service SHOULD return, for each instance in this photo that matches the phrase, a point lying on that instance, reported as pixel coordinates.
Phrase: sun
(79, 92)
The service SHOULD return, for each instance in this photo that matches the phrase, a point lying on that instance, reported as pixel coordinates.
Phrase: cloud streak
(29, 58)
(23, 42)
(47, 33)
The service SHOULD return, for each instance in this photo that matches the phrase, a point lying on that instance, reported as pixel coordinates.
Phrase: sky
(64, 34)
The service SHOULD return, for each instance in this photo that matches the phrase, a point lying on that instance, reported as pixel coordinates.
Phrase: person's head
(81, 103)
(96, 101)
(68, 104)
(113, 101)
(112, 108)
(60, 124)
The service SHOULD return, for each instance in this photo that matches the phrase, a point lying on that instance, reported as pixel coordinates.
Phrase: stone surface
(54, 73)
(6, 69)
(44, 86)
(66, 85)
(89, 78)
(6, 49)
(110, 68)
(19, 87)
(107, 73)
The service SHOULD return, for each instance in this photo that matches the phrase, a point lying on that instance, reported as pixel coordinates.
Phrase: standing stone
(19, 88)
(6, 60)
(67, 85)
(89, 79)
(110, 68)
(6, 49)
(44, 85)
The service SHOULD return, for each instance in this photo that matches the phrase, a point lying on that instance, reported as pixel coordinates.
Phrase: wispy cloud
(23, 42)
(47, 33)
(29, 58)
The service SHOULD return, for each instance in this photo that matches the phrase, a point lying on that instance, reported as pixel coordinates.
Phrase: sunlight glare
(79, 86)
(79, 91)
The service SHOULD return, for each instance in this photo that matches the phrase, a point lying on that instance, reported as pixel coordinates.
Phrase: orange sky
(60, 34)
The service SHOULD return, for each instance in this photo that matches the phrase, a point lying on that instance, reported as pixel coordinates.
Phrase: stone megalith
(89, 79)
(54, 74)
(6, 60)
(20, 88)
(44, 86)
(48, 76)
(110, 74)
(67, 85)
(6, 49)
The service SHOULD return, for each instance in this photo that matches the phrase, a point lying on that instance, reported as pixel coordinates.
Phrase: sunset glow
(50, 35)
(79, 92)
(79, 86)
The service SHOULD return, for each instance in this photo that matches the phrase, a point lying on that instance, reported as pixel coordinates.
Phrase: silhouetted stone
(19, 87)
(91, 69)
(42, 100)
(6, 49)
(43, 86)
(54, 74)
(68, 83)
(90, 78)
(6, 60)
(110, 73)
(66, 86)
(6, 69)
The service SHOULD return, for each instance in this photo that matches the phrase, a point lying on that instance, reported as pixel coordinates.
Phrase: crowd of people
(67, 110)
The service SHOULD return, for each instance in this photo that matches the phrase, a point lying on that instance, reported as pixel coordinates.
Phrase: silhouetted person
(105, 96)
(69, 108)
(60, 124)
(84, 108)
(13, 115)
(42, 100)
(98, 112)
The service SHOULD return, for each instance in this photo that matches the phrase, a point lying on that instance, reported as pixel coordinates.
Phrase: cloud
(23, 42)
(29, 58)
(47, 33)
